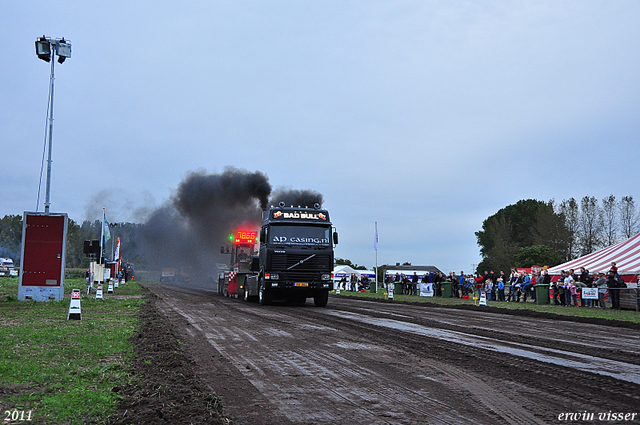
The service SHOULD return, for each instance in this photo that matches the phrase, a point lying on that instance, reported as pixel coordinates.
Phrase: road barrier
(75, 311)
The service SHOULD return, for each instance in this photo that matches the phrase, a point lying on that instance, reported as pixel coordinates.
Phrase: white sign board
(426, 289)
(590, 293)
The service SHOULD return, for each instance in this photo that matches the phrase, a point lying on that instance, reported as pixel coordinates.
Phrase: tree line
(11, 240)
(533, 232)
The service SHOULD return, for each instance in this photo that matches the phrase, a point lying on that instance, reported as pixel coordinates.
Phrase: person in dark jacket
(454, 285)
(614, 283)
(414, 283)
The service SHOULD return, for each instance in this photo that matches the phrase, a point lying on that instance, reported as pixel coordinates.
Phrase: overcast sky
(423, 116)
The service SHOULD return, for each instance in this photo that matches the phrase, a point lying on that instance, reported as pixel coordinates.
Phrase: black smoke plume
(296, 198)
(187, 232)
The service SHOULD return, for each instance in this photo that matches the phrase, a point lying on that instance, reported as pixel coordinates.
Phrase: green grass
(626, 315)
(64, 371)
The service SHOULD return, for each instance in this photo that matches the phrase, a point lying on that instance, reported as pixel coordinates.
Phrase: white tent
(347, 271)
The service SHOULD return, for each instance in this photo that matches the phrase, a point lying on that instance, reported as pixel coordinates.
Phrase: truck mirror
(255, 264)
(335, 238)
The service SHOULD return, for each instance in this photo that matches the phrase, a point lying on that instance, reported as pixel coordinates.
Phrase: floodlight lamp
(63, 48)
(43, 49)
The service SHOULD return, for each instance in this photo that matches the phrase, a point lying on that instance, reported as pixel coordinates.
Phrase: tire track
(352, 363)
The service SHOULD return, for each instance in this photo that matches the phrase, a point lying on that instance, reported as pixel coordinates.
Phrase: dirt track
(360, 362)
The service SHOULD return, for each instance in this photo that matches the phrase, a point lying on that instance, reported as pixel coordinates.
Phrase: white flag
(375, 240)
(116, 256)
(106, 234)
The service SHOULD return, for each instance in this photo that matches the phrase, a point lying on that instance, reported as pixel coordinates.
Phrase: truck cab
(295, 256)
(241, 250)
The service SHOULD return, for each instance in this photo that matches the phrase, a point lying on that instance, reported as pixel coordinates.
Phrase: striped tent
(625, 254)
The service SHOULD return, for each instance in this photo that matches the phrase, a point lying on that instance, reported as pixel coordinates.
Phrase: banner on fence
(426, 289)
(589, 293)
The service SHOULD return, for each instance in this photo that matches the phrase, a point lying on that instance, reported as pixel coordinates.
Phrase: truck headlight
(272, 276)
(325, 277)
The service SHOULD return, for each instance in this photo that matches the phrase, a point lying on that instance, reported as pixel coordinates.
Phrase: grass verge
(61, 371)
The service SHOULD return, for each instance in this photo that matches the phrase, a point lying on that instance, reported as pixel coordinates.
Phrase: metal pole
(102, 233)
(637, 279)
(48, 189)
(376, 269)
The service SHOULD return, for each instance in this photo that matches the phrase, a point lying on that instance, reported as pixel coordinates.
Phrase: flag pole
(376, 248)
(104, 215)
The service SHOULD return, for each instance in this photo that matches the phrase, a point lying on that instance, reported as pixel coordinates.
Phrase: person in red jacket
(479, 283)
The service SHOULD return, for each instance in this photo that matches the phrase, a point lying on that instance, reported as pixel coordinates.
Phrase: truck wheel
(264, 296)
(321, 298)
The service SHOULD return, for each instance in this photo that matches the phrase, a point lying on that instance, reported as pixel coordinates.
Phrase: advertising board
(44, 239)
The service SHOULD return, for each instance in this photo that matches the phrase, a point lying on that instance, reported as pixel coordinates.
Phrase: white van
(6, 267)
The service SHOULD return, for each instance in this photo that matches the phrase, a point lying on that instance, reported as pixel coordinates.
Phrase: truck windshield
(300, 235)
(244, 253)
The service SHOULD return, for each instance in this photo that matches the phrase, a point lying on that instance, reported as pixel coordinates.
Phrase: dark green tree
(75, 246)
(550, 230)
(539, 255)
(11, 237)
(526, 223)
(345, 262)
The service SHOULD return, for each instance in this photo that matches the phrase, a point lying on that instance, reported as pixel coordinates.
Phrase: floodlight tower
(46, 49)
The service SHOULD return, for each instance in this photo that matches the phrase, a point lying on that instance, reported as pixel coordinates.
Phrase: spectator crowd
(518, 286)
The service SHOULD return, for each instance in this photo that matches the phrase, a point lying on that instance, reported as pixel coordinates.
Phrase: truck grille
(309, 270)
